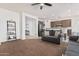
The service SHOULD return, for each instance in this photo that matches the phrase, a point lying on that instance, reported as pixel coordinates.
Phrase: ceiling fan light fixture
(41, 7)
(42, 4)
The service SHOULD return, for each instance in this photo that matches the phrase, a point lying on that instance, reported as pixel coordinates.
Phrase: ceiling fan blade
(48, 4)
(35, 3)
(41, 7)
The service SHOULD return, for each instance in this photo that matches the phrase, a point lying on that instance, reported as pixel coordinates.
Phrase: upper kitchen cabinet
(62, 23)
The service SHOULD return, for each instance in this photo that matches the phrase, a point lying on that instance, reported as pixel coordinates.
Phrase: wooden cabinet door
(63, 23)
(66, 23)
(52, 24)
(58, 23)
(69, 23)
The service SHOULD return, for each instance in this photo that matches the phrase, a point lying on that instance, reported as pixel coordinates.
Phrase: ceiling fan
(42, 4)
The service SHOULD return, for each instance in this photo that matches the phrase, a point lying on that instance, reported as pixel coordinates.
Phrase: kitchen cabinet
(62, 23)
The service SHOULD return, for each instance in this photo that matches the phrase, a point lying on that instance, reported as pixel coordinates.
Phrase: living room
(36, 27)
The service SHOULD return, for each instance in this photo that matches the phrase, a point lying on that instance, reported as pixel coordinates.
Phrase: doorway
(69, 32)
(30, 26)
(41, 28)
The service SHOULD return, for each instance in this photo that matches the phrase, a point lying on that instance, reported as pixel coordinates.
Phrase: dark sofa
(73, 38)
(52, 39)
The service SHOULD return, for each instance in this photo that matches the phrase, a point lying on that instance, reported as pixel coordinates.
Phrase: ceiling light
(42, 4)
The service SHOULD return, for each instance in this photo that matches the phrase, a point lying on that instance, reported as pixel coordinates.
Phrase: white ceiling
(58, 10)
